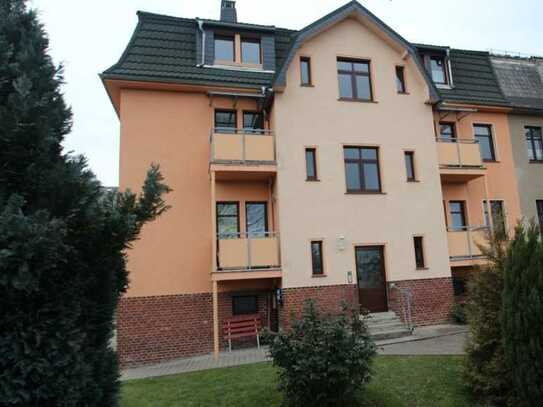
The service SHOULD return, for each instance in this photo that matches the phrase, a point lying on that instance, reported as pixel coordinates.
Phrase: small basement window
(244, 304)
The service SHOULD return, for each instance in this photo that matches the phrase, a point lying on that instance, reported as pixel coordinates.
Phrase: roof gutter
(201, 28)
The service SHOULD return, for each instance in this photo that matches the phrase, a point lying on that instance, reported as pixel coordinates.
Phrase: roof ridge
(141, 13)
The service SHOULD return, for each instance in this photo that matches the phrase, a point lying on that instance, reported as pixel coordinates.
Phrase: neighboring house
(521, 80)
(311, 164)
(475, 153)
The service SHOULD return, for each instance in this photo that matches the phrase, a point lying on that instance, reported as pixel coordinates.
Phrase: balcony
(252, 255)
(242, 146)
(459, 160)
(464, 243)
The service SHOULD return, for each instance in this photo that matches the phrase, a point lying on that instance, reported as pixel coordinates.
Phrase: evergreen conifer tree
(486, 372)
(523, 314)
(63, 241)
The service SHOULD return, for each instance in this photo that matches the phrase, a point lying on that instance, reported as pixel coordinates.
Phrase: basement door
(370, 271)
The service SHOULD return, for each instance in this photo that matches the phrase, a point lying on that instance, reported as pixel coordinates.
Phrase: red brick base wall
(154, 329)
(432, 300)
(328, 298)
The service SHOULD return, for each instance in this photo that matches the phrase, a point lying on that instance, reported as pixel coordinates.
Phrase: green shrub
(323, 360)
(486, 372)
(458, 313)
(522, 322)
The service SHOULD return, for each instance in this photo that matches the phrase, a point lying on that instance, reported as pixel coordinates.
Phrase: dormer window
(438, 69)
(250, 51)
(225, 48)
(437, 63)
(233, 49)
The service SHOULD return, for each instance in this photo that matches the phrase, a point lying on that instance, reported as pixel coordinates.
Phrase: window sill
(403, 93)
(491, 161)
(309, 85)
(365, 193)
(318, 275)
(443, 85)
(413, 181)
(423, 268)
(536, 161)
(357, 100)
(312, 180)
(238, 64)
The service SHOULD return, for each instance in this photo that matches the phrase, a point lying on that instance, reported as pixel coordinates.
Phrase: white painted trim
(238, 68)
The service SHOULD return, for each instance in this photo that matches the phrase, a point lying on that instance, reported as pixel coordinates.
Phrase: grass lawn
(398, 381)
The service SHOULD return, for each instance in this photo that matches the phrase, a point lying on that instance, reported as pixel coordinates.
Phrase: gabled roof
(521, 81)
(163, 49)
(349, 9)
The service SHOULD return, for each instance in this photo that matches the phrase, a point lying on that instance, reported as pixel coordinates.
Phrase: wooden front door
(370, 271)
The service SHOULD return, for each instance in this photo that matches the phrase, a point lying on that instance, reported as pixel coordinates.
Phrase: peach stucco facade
(313, 116)
(172, 128)
(499, 176)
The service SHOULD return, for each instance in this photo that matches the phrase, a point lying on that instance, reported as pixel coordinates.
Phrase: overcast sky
(89, 36)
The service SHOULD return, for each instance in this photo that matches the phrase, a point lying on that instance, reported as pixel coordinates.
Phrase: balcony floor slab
(246, 275)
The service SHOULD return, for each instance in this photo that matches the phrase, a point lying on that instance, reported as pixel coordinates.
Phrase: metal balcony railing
(242, 145)
(246, 252)
(465, 242)
(459, 153)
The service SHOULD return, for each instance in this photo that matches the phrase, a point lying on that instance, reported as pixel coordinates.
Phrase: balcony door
(256, 219)
(458, 215)
(370, 271)
(447, 132)
(228, 220)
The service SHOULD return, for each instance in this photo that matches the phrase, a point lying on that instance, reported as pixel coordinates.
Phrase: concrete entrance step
(386, 328)
(386, 325)
(390, 334)
(382, 315)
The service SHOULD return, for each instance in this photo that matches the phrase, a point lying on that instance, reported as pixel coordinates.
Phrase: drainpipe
(451, 83)
(201, 28)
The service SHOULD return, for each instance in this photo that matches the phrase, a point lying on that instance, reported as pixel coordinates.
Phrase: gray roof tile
(521, 80)
(473, 79)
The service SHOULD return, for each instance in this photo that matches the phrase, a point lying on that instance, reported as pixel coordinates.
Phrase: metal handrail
(229, 130)
(468, 230)
(407, 297)
(245, 235)
(457, 140)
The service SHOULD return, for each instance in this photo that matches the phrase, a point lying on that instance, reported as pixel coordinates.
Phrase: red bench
(244, 326)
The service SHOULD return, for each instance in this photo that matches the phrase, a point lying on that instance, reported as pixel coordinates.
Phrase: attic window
(250, 51)
(224, 48)
(438, 69)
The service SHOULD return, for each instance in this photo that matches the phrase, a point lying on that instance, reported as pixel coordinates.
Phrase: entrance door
(370, 271)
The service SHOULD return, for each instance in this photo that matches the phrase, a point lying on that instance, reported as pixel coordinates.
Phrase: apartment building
(521, 81)
(339, 163)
